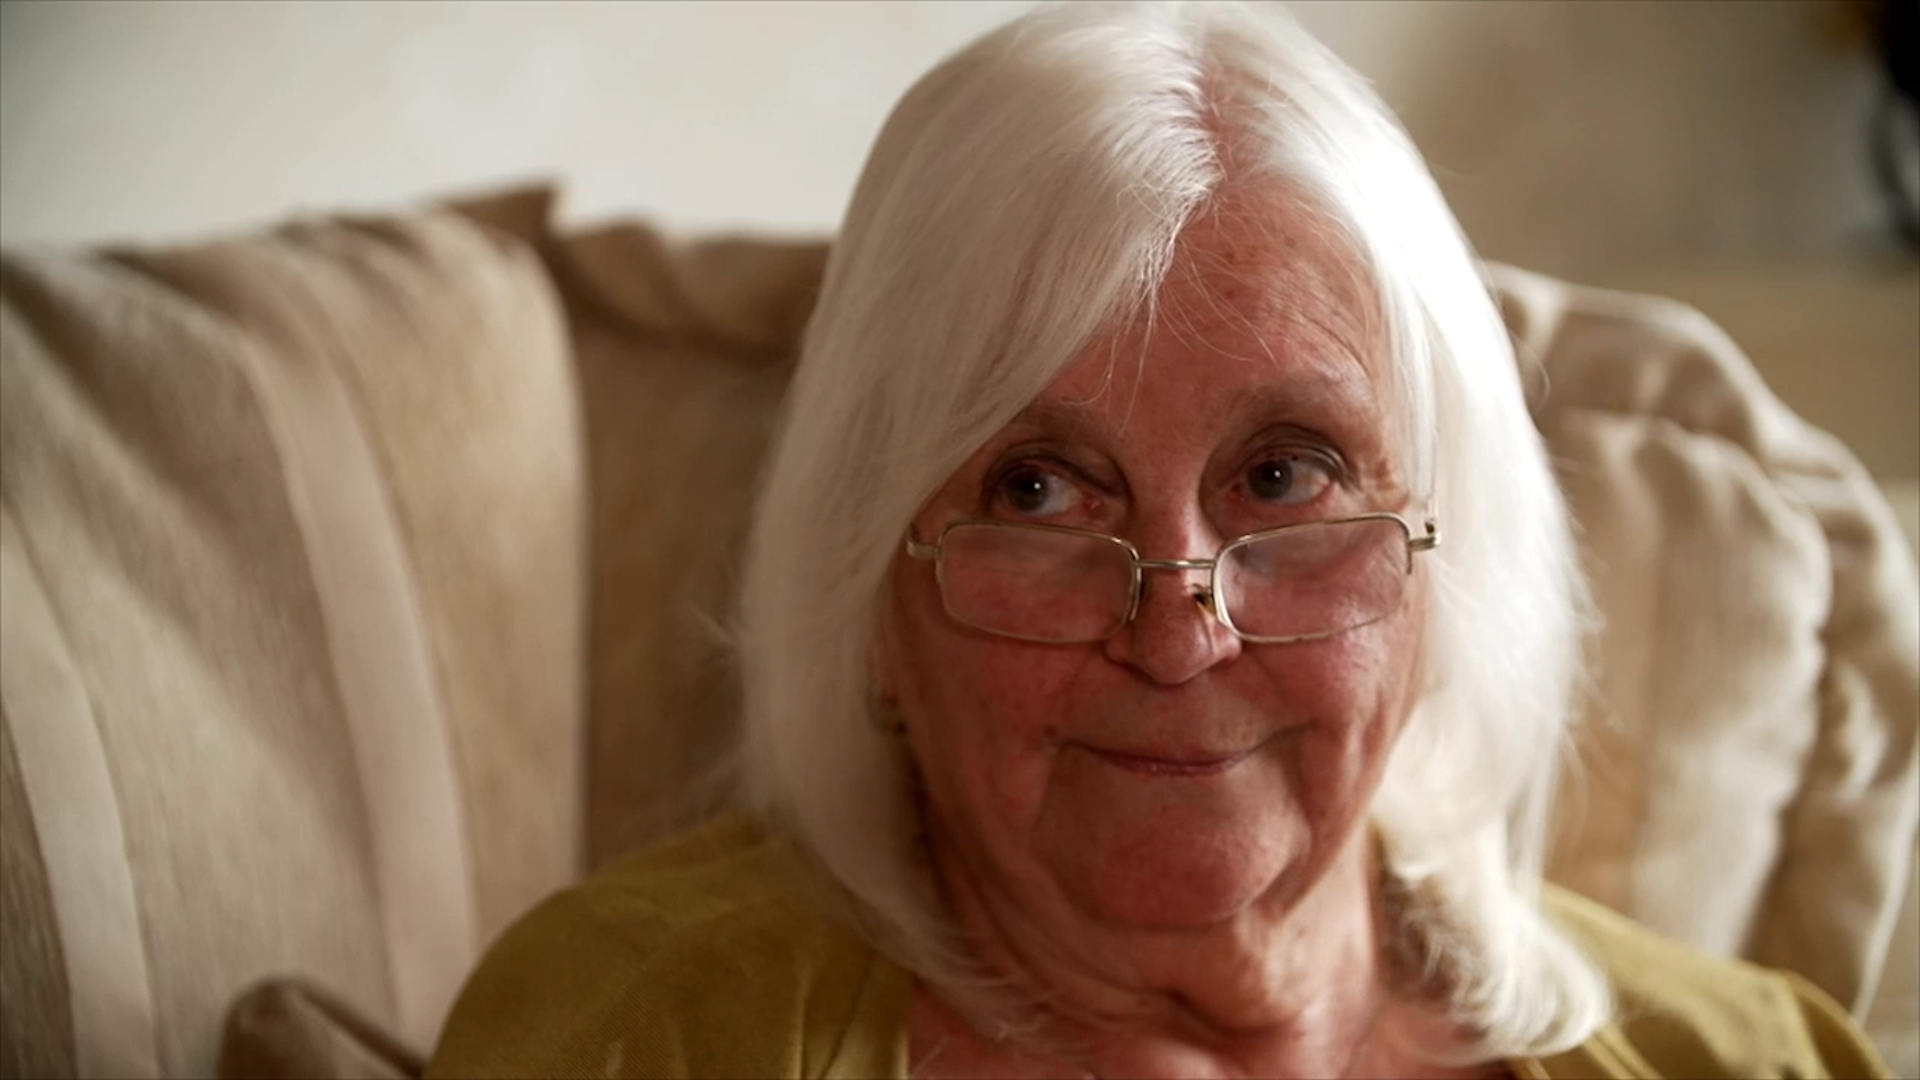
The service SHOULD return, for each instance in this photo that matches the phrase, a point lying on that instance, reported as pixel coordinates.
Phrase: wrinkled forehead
(1267, 281)
(1270, 262)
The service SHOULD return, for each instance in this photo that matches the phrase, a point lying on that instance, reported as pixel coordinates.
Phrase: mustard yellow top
(707, 955)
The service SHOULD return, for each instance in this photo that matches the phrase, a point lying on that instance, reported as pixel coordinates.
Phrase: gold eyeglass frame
(1209, 599)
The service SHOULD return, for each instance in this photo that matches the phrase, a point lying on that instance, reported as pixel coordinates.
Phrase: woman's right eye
(1035, 492)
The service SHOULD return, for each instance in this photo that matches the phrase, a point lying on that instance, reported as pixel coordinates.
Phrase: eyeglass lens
(1042, 585)
(1315, 580)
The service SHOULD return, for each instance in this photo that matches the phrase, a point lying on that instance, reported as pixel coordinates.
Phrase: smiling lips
(1171, 766)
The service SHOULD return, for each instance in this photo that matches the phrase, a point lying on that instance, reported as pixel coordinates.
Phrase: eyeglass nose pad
(1204, 597)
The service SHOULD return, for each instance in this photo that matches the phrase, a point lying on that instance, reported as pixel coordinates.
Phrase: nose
(1174, 636)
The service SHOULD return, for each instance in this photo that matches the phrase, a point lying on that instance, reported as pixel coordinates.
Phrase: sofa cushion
(1747, 777)
(290, 532)
(683, 350)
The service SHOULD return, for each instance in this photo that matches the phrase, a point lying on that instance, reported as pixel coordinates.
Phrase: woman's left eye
(1289, 479)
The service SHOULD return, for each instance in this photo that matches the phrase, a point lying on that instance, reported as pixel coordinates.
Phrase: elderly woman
(1158, 634)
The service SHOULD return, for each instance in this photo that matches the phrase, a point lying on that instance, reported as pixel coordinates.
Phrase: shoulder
(1681, 1012)
(711, 954)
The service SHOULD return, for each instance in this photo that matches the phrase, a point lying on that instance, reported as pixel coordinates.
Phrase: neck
(1292, 985)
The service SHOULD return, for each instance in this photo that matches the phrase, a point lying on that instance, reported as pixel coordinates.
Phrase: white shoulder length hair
(1028, 193)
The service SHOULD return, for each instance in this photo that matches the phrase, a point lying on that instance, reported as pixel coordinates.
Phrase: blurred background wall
(1712, 149)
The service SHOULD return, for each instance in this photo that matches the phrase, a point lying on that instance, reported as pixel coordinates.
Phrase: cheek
(982, 713)
(1355, 693)
(1355, 681)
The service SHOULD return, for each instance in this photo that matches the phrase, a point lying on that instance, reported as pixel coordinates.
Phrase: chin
(1191, 894)
(1185, 856)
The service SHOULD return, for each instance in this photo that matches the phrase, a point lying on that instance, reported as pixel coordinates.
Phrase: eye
(1289, 479)
(1035, 492)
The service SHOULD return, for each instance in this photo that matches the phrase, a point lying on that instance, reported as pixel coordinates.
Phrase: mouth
(1182, 765)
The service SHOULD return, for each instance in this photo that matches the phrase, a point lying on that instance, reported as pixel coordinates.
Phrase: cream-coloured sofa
(362, 583)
